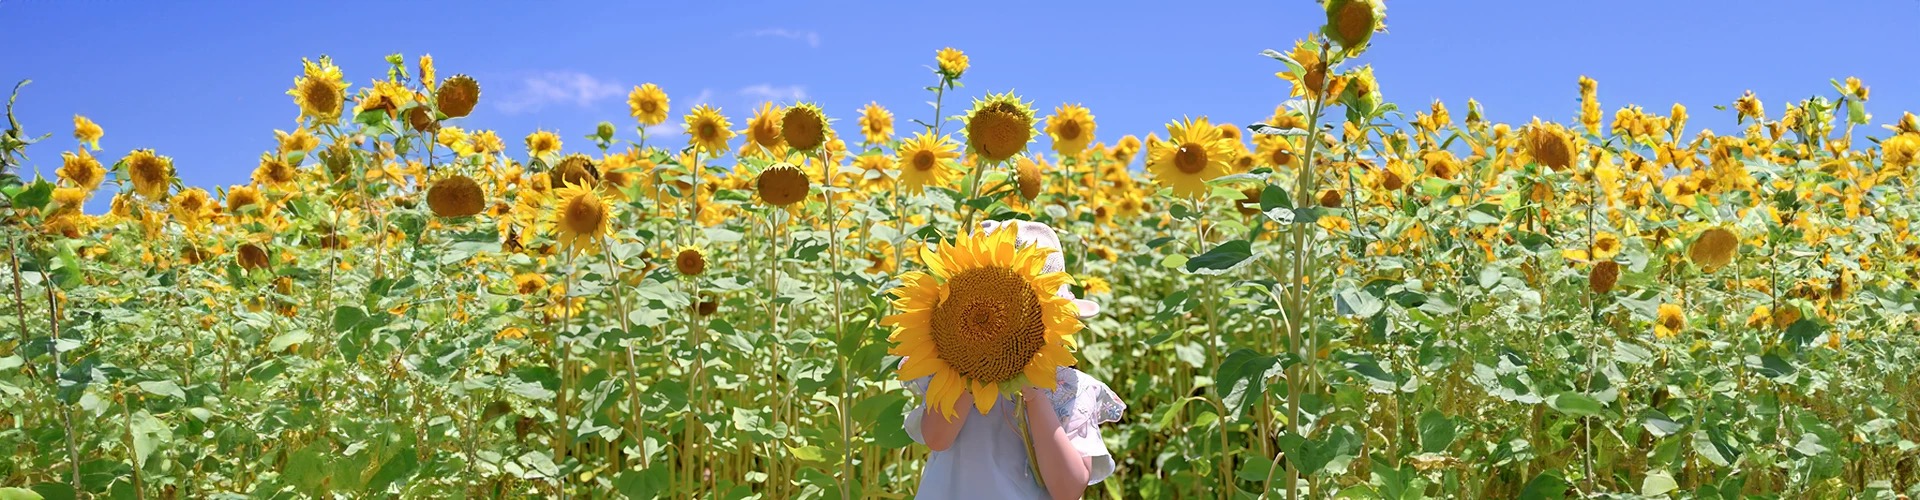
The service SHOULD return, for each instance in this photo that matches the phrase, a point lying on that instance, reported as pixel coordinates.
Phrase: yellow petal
(984, 396)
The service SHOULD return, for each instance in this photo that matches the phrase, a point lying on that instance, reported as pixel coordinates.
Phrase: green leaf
(1221, 259)
(19, 494)
(1437, 432)
(1659, 423)
(1242, 378)
(1546, 485)
(1573, 403)
(1658, 483)
(1330, 453)
(1360, 303)
(164, 388)
(35, 196)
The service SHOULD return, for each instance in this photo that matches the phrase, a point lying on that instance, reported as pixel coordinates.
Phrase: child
(984, 456)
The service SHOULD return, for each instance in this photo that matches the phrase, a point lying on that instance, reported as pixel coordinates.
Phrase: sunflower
(457, 96)
(1193, 154)
(273, 171)
(1590, 104)
(300, 140)
(574, 169)
(1095, 285)
(1071, 128)
(1604, 275)
(1028, 175)
(151, 173)
(1314, 82)
(708, 130)
(579, 217)
(804, 127)
(1124, 150)
(251, 256)
(953, 62)
(68, 200)
(87, 132)
(781, 184)
(1549, 145)
(1441, 163)
(488, 142)
(876, 123)
(1670, 321)
(239, 198)
(1748, 106)
(386, 95)
(1900, 150)
(648, 104)
(456, 196)
(1351, 23)
(529, 283)
(763, 133)
(541, 142)
(191, 207)
(983, 317)
(925, 160)
(81, 170)
(1714, 248)
(320, 91)
(690, 262)
(999, 127)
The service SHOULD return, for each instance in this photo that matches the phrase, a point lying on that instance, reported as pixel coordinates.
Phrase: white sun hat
(1035, 233)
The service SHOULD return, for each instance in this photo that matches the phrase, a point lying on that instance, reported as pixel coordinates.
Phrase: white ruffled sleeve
(1083, 404)
(919, 411)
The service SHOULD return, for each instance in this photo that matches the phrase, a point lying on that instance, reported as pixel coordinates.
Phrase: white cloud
(705, 97)
(768, 92)
(812, 38)
(668, 129)
(558, 87)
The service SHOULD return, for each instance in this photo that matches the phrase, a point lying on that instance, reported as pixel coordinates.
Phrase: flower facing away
(983, 318)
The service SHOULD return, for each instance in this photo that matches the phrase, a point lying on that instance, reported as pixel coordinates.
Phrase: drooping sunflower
(998, 127)
(299, 140)
(926, 160)
(320, 91)
(541, 142)
(579, 217)
(1028, 175)
(151, 173)
(1714, 248)
(81, 170)
(273, 171)
(456, 196)
(239, 198)
(648, 104)
(708, 130)
(574, 169)
(1317, 81)
(1071, 128)
(781, 185)
(87, 132)
(191, 207)
(876, 123)
(1550, 145)
(953, 62)
(1351, 23)
(1193, 154)
(1604, 275)
(983, 318)
(457, 96)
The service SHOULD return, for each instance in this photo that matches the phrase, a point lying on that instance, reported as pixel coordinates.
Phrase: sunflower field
(1339, 297)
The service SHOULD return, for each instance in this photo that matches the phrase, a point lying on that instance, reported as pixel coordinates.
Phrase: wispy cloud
(769, 92)
(811, 38)
(668, 129)
(557, 87)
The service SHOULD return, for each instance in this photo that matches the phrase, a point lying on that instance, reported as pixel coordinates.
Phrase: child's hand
(1034, 394)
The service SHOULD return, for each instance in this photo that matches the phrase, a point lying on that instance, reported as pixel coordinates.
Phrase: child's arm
(939, 431)
(1062, 468)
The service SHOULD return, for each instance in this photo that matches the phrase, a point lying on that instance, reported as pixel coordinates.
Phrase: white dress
(988, 459)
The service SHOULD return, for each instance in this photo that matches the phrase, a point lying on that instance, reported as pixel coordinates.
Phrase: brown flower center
(1191, 158)
(990, 326)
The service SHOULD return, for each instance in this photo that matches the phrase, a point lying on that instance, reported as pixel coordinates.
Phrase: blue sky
(205, 82)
